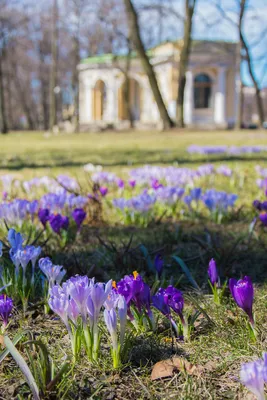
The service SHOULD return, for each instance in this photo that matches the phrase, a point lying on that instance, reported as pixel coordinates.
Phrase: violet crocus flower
(132, 183)
(53, 273)
(79, 216)
(55, 222)
(120, 183)
(253, 376)
(6, 306)
(174, 298)
(243, 294)
(159, 302)
(99, 293)
(1, 249)
(103, 191)
(263, 218)
(65, 223)
(58, 222)
(110, 318)
(122, 312)
(43, 215)
(130, 286)
(159, 263)
(79, 288)
(59, 303)
(15, 239)
(213, 272)
(156, 184)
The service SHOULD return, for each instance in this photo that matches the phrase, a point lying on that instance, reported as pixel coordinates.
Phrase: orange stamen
(114, 284)
(135, 274)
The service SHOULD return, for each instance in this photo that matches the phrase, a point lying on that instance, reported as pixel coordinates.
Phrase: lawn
(112, 243)
(37, 153)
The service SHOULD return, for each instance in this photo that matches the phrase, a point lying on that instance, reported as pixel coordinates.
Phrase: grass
(35, 154)
(220, 344)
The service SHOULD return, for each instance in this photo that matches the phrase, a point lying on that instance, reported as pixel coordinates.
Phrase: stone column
(88, 107)
(219, 101)
(188, 98)
(111, 111)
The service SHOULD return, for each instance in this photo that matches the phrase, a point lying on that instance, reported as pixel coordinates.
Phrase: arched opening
(99, 100)
(202, 91)
(130, 101)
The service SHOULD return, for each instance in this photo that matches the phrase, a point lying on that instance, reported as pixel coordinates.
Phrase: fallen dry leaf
(2, 343)
(167, 368)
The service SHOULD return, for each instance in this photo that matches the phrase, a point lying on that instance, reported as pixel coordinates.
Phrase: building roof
(109, 57)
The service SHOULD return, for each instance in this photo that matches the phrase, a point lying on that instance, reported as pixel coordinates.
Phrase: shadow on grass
(122, 159)
(112, 256)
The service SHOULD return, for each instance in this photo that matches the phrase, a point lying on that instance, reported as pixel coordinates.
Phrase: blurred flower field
(133, 265)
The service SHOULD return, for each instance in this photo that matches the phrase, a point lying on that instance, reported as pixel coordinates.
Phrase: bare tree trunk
(126, 87)
(238, 123)
(3, 120)
(75, 81)
(53, 75)
(259, 101)
(184, 60)
(148, 68)
(23, 101)
(9, 78)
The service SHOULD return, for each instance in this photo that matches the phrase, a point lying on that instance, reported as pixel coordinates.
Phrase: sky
(210, 24)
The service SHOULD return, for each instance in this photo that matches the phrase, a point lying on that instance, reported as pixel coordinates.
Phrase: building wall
(221, 112)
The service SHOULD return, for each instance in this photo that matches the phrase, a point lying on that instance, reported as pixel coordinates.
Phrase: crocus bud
(243, 294)
(263, 218)
(6, 305)
(159, 263)
(78, 215)
(43, 215)
(212, 272)
(103, 190)
(132, 183)
(257, 204)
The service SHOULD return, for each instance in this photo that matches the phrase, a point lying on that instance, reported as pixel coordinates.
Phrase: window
(202, 91)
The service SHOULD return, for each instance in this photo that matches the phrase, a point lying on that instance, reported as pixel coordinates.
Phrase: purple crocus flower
(53, 273)
(136, 292)
(103, 190)
(73, 311)
(32, 207)
(243, 294)
(55, 222)
(156, 185)
(159, 302)
(65, 223)
(43, 215)
(264, 205)
(110, 318)
(159, 263)
(130, 286)
(263, 218)
(212, 272)
(58, 222)
(253, 376)
(15, 239)
(174, 298)
(79, 289)
(59, 303)
(120, 183)
(132, 183)
(6, 306)
(79, 216)
(98, 295)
